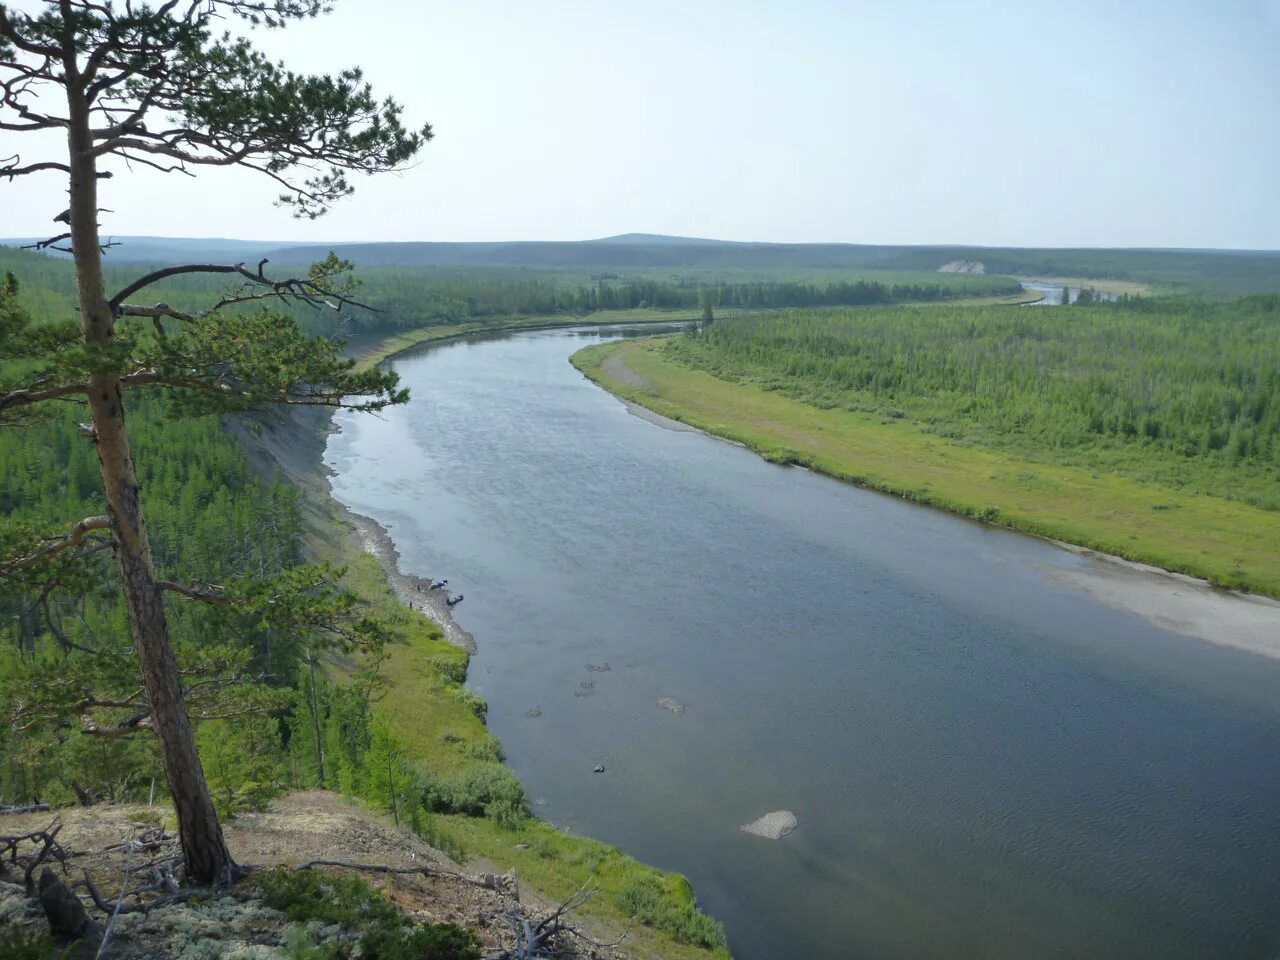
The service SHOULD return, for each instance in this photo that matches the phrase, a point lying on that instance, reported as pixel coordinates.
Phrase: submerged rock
(535, 712)
(772, 826)
(672, 704)
(599, 667)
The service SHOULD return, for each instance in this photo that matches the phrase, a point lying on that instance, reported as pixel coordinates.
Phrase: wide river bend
(985, 760)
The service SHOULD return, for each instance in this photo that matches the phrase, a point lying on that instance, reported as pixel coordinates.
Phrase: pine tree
(163, 87)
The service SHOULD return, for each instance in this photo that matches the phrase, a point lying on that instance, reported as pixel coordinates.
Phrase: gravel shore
(410, 590)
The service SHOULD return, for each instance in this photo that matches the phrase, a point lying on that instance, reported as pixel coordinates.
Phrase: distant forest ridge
(1210, 271)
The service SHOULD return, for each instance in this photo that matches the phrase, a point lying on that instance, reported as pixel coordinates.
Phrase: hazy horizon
(1139, 125)
(330, 241)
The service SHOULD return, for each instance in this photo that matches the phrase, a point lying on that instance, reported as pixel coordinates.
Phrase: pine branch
(74, 539)
(30, 395)
(194, 593)
(317, 290)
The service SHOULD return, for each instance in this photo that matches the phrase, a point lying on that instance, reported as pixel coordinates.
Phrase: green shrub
(453, 669)
(432, 831)
(347, 901)
(479, 790)
(472, 702)
(428, 941)
(655, 905)
(343, 899)
(24, 943)
(488, 748)
(303, 943)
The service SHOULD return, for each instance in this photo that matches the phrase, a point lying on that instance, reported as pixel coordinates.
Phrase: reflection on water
(984, 761)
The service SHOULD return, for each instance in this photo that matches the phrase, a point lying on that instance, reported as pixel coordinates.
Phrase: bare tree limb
(13, 170)
(308, 290)
(157, 275)
(28, 808)
(29, 395)
(207, 596)
(78, 532)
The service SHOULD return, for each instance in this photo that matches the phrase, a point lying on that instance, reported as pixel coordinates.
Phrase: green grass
(1226, 542)
(669, 924)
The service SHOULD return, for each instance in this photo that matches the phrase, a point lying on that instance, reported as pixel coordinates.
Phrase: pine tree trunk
(203, 847)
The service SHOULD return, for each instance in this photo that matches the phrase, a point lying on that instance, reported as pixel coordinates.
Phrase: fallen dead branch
(538, 940)
(29, 808)
(46, 849)
(158, 870)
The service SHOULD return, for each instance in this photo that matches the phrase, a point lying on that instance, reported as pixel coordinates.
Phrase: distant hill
(663, 240)
(1214, 271)
(621, 252)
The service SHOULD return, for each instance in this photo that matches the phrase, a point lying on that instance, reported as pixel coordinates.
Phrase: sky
(1120, 123)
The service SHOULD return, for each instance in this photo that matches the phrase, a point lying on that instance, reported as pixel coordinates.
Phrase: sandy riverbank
(1176, 602)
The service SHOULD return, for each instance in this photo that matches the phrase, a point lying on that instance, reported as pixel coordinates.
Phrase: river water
(1053, 293)
(984, 760)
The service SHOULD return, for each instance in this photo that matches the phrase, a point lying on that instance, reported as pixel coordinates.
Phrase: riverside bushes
(479, 790)
(652, 903)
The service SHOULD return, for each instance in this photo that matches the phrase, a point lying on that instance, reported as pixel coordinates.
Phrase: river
(1052, 293)
(984, 759)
